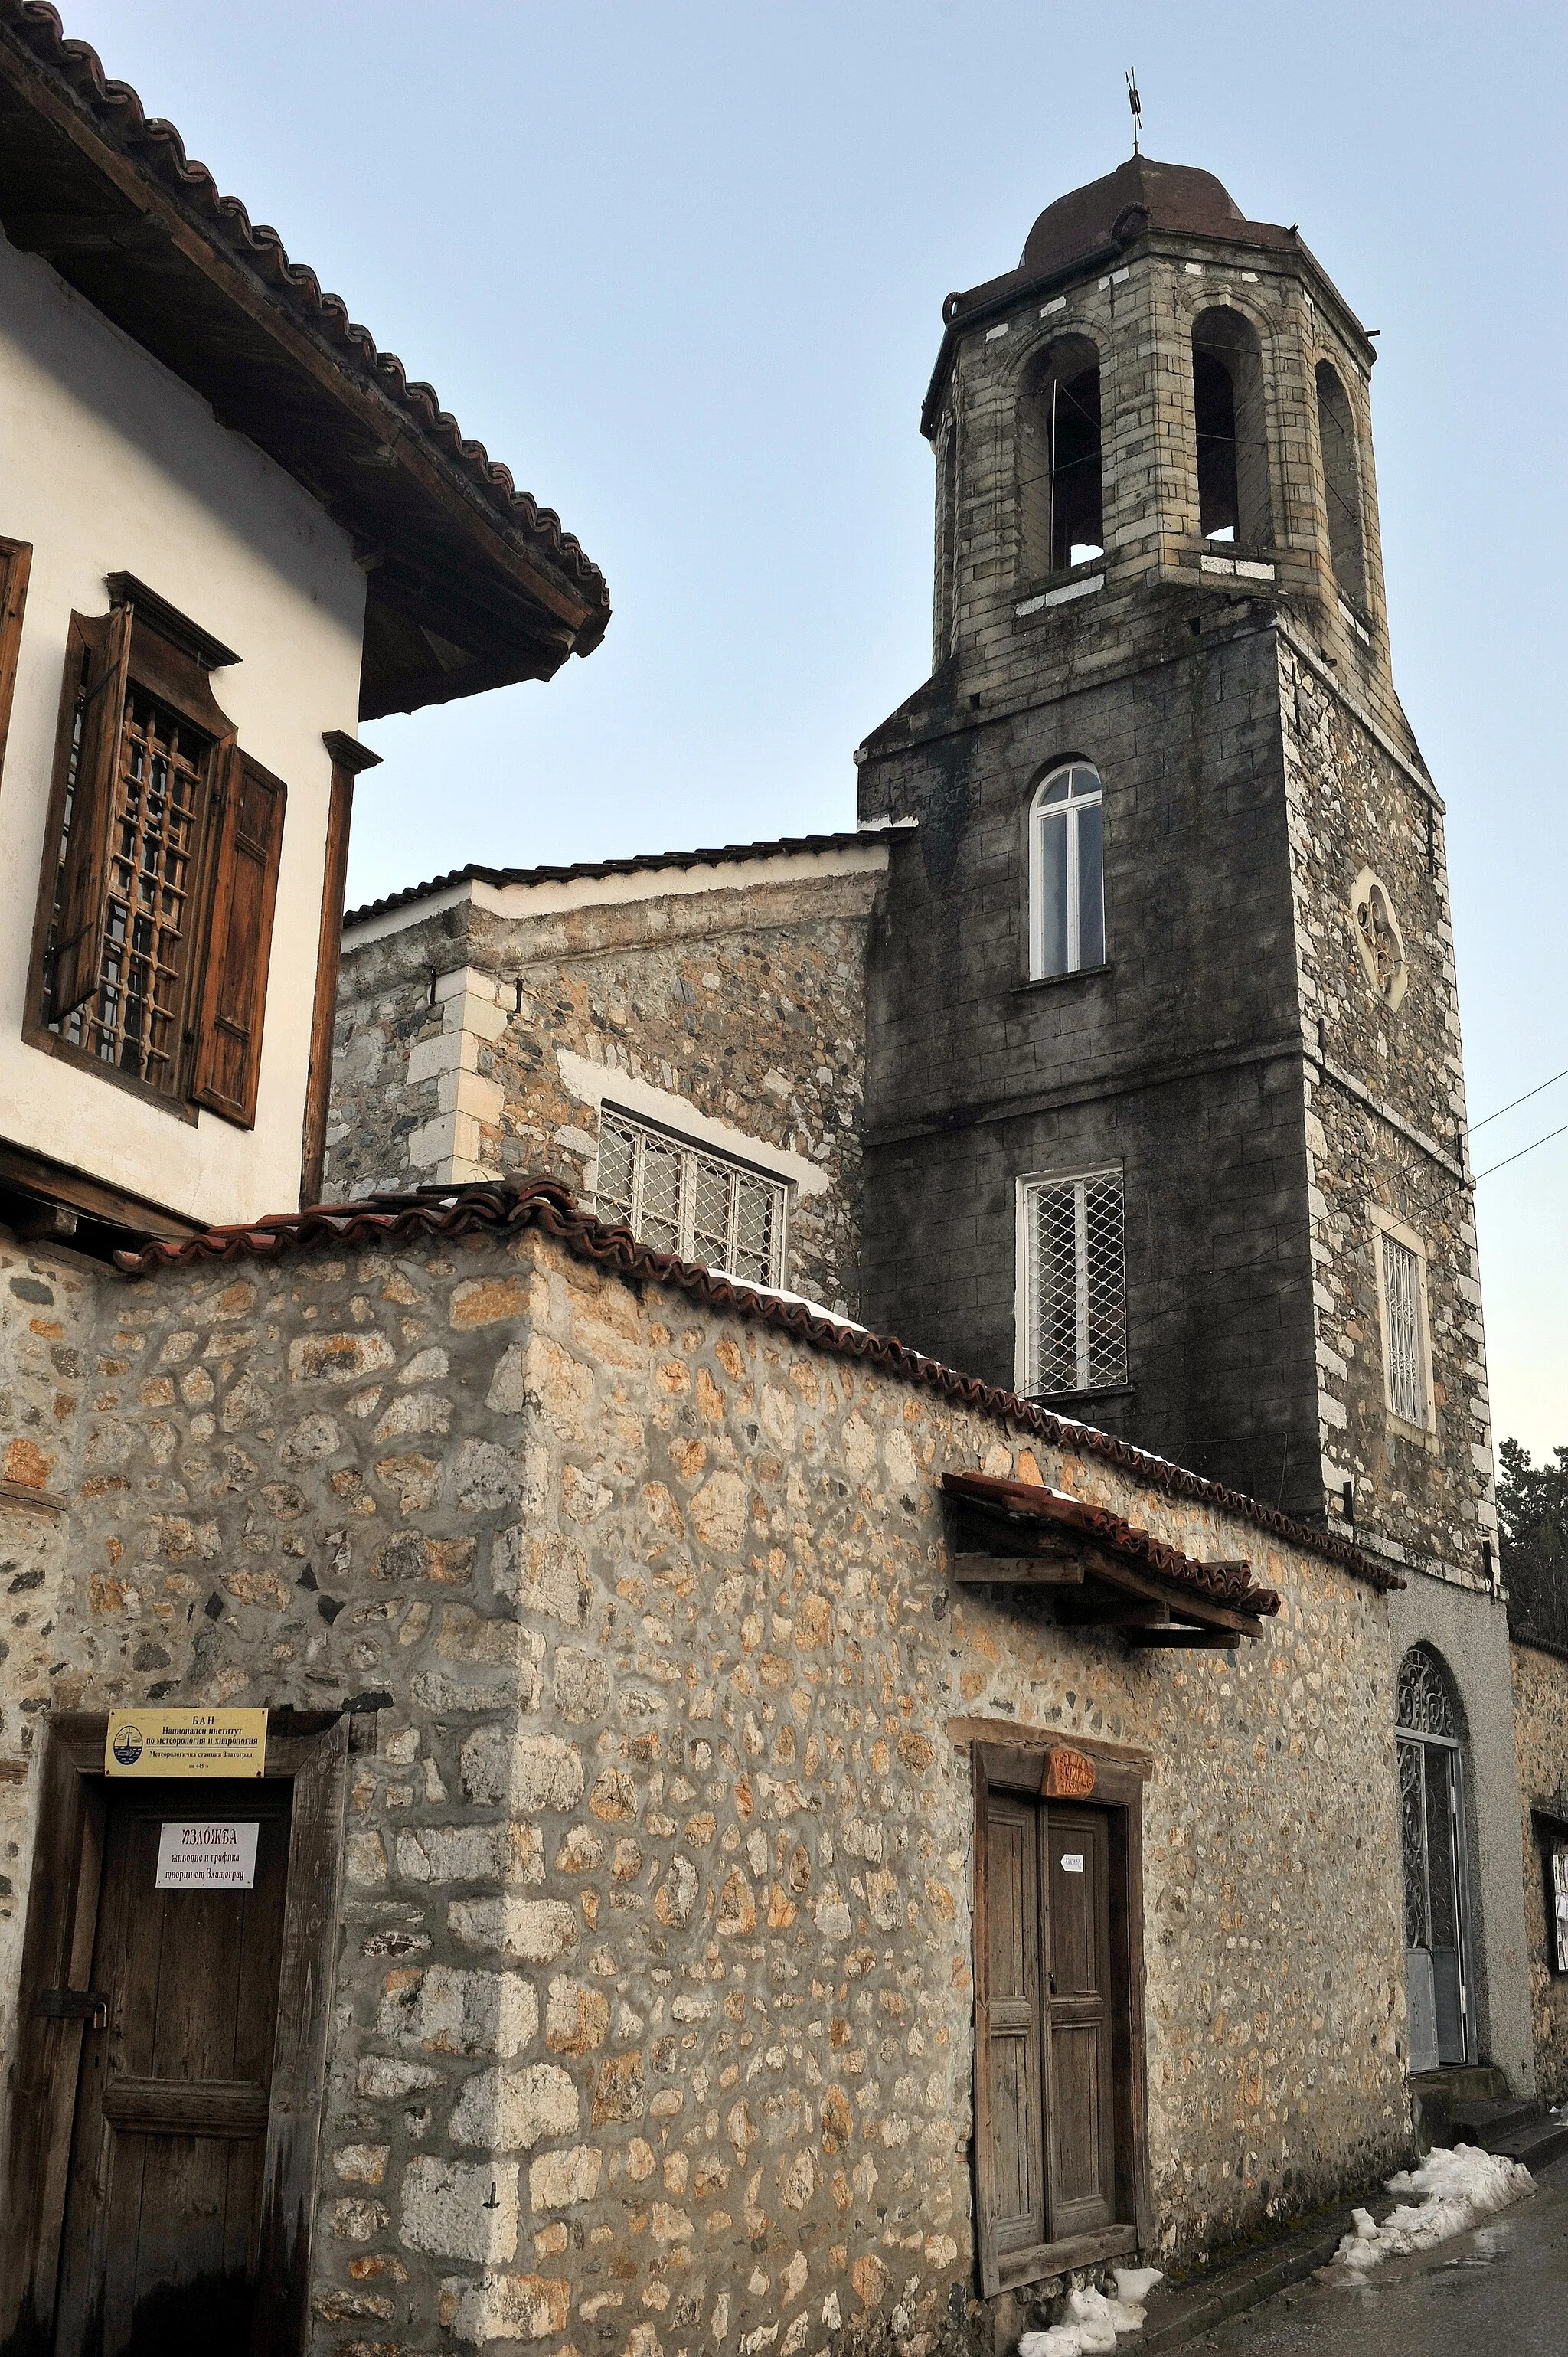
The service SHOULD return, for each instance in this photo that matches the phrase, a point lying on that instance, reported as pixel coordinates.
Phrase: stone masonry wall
(49, 1376)
(1541, 1733)
(654, 1993)
(745, 1003)
(1386, 1097)
(1139, 318)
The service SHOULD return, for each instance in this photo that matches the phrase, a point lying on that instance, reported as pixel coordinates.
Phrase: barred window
(1075, 1296)
(132, 1019)
(163, 850)
(1404, 1336)
(687, 1200)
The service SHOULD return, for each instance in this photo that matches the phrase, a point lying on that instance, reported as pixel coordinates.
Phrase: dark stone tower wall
(1269, 1110)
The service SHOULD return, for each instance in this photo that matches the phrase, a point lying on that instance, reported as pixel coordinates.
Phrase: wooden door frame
(307, 1749)
(1016, 1763)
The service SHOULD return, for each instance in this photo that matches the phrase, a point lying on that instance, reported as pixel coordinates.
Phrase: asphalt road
(1499, 2291)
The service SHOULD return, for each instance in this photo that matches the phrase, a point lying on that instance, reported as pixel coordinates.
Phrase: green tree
(1533, 1519)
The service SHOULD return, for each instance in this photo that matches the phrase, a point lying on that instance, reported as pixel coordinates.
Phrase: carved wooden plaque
(1070, 1776)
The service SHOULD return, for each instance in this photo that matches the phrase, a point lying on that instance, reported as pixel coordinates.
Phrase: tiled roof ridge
(1227, 1583)
(544, 1203)
(119, 116)
(588, 870)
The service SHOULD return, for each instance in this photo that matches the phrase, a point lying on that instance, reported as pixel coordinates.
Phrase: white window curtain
(1075, 1286)
(1067, 874)
(687, 1200)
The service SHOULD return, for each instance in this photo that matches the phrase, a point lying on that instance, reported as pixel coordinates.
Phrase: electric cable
(1535, 1092)
(1521, 1155)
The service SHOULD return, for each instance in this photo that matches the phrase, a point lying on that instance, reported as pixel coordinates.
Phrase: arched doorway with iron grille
(1438, 1982)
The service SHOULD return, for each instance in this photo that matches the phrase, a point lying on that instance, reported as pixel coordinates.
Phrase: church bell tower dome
(1088, 220)
(1171, 393)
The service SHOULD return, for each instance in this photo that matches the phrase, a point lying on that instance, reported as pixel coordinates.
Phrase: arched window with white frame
(1067, 873)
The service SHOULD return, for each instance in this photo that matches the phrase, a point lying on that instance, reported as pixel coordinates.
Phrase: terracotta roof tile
(502, 1207)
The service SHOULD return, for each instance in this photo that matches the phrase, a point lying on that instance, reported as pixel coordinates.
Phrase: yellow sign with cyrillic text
(186, 1743)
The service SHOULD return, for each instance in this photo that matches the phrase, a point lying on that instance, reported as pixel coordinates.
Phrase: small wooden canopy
(1104, 1572)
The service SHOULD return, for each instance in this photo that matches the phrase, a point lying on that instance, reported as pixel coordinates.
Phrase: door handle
(74, 2004)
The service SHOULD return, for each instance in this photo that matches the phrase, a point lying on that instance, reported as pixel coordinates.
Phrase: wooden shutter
(239, 939)
(15, 560)
(1009, 2140)
(92, 706)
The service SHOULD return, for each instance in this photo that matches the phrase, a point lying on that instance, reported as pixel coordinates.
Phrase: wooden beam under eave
(1016, 1571)
(1014, 1535)
(1182, 1600)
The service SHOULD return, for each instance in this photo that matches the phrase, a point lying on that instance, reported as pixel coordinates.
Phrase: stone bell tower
(1166, 1105)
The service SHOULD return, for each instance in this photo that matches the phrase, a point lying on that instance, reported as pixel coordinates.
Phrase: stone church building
(769, 1838)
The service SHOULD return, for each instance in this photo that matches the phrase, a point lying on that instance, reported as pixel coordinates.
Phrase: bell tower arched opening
(1229, 413)
(1342, 484)
(1061, 499)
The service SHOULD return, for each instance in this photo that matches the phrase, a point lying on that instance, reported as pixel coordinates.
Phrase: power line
(1535, 1092)
(1522, 1152)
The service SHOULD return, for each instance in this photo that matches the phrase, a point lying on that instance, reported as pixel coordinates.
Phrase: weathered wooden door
(1045, 2029)
(1079, 2141)
(171, 2115)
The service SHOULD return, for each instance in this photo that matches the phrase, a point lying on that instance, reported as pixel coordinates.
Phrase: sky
(682, 266)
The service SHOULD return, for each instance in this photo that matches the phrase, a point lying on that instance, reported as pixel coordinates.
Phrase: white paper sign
(1072, 1862)
(206, 1855)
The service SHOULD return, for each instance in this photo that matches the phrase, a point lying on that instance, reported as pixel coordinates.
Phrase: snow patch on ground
(1093, 2320)
(1457, 2190)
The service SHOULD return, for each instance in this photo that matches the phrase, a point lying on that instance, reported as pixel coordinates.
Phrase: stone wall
(50, 1375)
(1541, 1732)
(1387, 1112)
(742, 1003)
(654, 1991)
(1005, 625)
(1178, 1061)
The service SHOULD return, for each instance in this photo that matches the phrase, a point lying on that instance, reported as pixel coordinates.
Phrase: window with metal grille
(1066, 874)
(164, 845)
(1403, 1338)
(133, 1017)
(1075, 1299)
(687, 1200)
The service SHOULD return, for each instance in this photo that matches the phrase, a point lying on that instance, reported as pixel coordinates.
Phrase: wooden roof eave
(155, 225)
(998, 1548)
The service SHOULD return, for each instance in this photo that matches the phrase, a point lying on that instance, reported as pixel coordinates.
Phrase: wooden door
(1013, 2127)
(1079, 2061)
(165, 2177)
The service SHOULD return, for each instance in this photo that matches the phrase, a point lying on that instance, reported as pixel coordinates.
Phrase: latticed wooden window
(133, 1017)
(1075, 1292)
(687, 1200)
(1403, 1333)
(165, 843)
